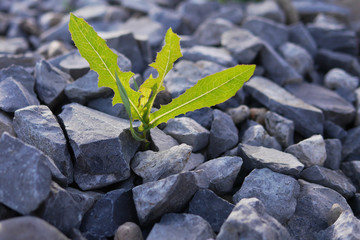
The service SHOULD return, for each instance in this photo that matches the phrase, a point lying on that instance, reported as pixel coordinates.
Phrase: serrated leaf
(102, 60)
(207, 92)
(163, 64)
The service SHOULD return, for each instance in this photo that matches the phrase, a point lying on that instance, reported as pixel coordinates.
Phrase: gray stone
(311, 9)
(338, 40)
(187, 130)
(27, 61)
(352, 170)
(242, 44)
(213, 54)
(201, 179)
(151, 166)
(280, 127)
(161, 141)
(61, 210)
(267, 9)
(357, 117)
(194, 160)
(50, 83)
(108, 213)
(256, 135)
(232, 12)
(275, 34)
(333, 153)
(209, 32)
(210, 207)
(249, 220)
(142, 6)
(297, 57)
(279, 70)
(16, 45)
(169, 18)
(334, 107)
(174, 226)
(128, 230)
(171, 194)
(333, 179)
(21, 74)
(31, 228)
(308, 120)
(312, 209)
(239, 114)
(327, 60)
(222, 173)
(300, 35)
(223, 134)
(203, 116)
(351, 145)
(37, 126)
(105, 105)
(277, 161)
(24, 177)
(310, 151)
(86, 88)
(337, 78)
(84, 200)
(101, 143)
(327, 22)
(72, 63)
(6, 124)
(332, 130)
(278, 192)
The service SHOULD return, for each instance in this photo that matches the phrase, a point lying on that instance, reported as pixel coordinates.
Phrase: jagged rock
(239, 114)
(352, 170)
(297, 57)
(203, 116)
(280, 127)
(161, 141)
(300, 35)
(333, 153)
(194, 160)
(268, 9)
(351, 145)
(209, 32)
(337, 78)
(357, 117)
(6, 124)
(256, 135)
(332, 130)
(217, 55)
(311, 9)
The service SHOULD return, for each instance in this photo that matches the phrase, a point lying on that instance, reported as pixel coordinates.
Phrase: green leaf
(102, 60)
(163, 64)
(209, 91)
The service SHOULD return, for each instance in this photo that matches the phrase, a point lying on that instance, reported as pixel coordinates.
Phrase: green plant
(209, 91)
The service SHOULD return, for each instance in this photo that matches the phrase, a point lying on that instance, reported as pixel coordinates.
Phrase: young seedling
(207, 92)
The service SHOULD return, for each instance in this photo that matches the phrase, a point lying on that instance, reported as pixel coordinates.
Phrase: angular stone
(171, 194)
(352, 170)
(232, 12)
(311, 9)
(277, 68)
(242, 44)
(357, 117)
(223, 134)
(108, 213)
(27, 61)
(217, 55)
(86, 88)
(273, 33)
(209, 32)
(332, 130)
(105, 105)
(6, 124)
(61, 210)
(308, 119)
(194, 160)
(72, 63)
(31, 228)
(24, 177)
(250, 220)
(187, 130)
(300, 35)
(84, 200)
(37, 126)
(337, 78)
(173, 224)
(280, 127)
(334, 107)
(169, 18)
(161, 141)
(222, 173)
(16, 45)
(21, 75)
(333, 153)
(203, 116)
(278, 192)
(256, 135)
(277, 161)
(210, 207)
(335, 180)
(297, 57)
(100, 143)
(239, 114)
(142, 6)
(351, 145)
(268, 9)
(312, 209)
(151, 166)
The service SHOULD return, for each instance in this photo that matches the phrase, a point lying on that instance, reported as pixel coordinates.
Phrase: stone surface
(151, 166)
(128, 230)
(217, 55)
(6, 123)
(171, 194)
(187, 130)
(308, 120)
(280, 127)
(333, 153)
(223, 134)
(242, 44)
(312, 209)
(101, 143)
(16, 45)
(357, 117)
(332, 130)
(300, 35)
(351, 145)
(239, 114)
(329, 178)
(222, 173)
(181, 226)
(250, 220)
(37, 126)
(352, 170)
(105, 105)
(161, 141)
(108, 213)
(169, 18)
(203, 116)
(194, 160)
(277, 161)
(267, 9)
(309, 9)
(31, 228)
(278, 192)
(256, 135)
(232, 12)
(297, 57)
(84, 200)
(24, 177)
(209, 32)
(334, 107)
(210, 207)
(337, 78)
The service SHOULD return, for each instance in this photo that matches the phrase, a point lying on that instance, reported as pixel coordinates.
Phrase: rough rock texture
(351, 145)
(161, 141)
(280, 127)
(256, 135)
